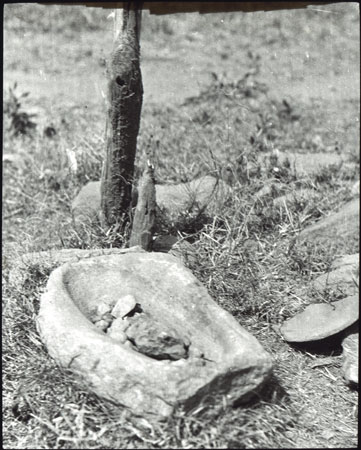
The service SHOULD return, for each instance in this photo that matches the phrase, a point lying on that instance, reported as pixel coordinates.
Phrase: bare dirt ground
(195, 106)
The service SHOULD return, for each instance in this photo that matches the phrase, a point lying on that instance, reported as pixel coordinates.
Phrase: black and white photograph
(180, 225)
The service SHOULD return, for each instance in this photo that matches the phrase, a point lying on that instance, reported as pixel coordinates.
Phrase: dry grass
(245, 254)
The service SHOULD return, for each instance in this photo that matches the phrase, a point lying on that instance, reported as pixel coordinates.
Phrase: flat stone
(174, 199)
(343, 277)
(50, 259)
(195, 196)
(124, 305)
(173, 245)
(321, 320)
(299, 195)
(13, 158)
(355, 190)
(209, 357)
(347, 260)
(350, 364)
(309, 163)
(102, 324)
(272, 188)
(117, 330)
(164, 243)
(86, 204)
(341, 227)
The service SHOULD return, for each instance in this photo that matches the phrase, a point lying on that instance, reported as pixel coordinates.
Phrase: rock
(339, 229)
(268, 189)
(321, 320)
(124, 305)
(195, 196)
(44, 262)
(350, 364)
(164, 243)
(86, 205)
(102, 324)
(299, 195)
(171, 244)
(355, 190)
(308, 163)
(347, 260)
(102, 309)
(224, 361)
(174, 199)
(13, 158)
(156, 340)
(343, 277)
(117, 330)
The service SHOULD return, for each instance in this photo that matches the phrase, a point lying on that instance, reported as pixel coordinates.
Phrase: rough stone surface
(344, 276)
(341, 227)
(171, 244)
(347, 260)
(216, 358)
(350, 364)
(270, 188)
(86, 205)
(48, 260)
(355, 190)
(13, 158)
(123, 306)
(117, 330)
(309, 163)
(151, 337)
(196, 195)
(173, 199)
(300, 195)
(321, 320)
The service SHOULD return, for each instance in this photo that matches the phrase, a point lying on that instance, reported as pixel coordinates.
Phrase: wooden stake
(145, 212)
(125, 96)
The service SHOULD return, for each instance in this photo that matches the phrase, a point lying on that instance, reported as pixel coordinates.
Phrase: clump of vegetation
(20, 122)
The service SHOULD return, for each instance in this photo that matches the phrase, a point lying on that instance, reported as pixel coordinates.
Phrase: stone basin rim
(75, 342)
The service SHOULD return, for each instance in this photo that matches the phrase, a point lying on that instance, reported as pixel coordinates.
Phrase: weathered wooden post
(125, 95)
(145, 212)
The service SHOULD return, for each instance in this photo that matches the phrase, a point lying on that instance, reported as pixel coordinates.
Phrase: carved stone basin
(143, 332)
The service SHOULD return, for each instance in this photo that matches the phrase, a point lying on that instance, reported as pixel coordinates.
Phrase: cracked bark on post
(125, 95)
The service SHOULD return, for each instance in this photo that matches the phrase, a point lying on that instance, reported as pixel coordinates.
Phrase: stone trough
(143, 332)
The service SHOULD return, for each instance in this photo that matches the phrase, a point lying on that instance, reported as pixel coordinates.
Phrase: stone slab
(347, 260)
(310, 163)
(355, 190)
(350, 363)
(197, 195)
(50, 259)
(343, 278)
(342, 226)
(173, 245)
(321, 320)
(204, 193)
(300, 195)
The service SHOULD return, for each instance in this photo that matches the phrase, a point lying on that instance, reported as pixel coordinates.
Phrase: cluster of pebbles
(128, 324)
